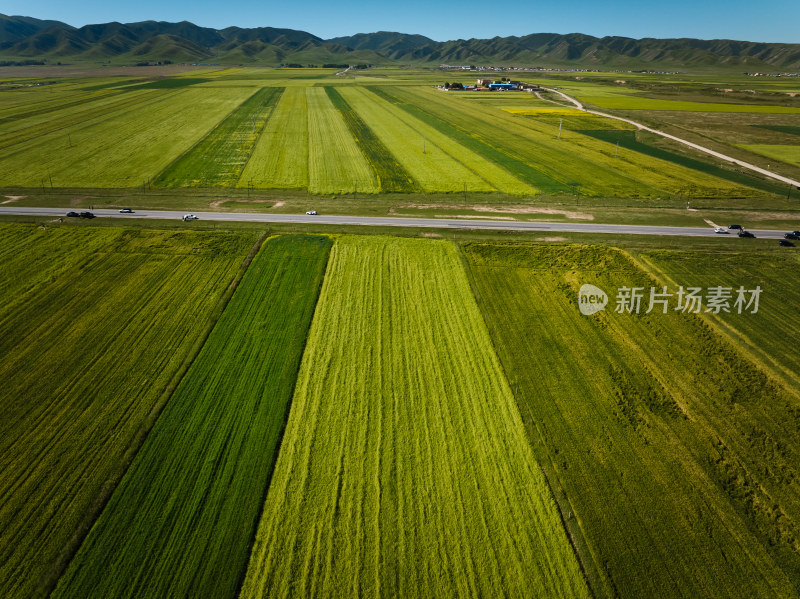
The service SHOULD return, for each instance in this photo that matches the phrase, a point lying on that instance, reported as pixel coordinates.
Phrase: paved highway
(389, 221)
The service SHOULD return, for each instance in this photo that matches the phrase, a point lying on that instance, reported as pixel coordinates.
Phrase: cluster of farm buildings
(493, 86)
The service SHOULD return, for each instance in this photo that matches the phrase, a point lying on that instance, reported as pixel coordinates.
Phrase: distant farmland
(328, 135)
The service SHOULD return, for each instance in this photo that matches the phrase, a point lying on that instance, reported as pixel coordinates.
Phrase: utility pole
(561, 122)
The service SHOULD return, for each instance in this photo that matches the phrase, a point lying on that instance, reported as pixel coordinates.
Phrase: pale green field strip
(183, 519)
(335, 163)
(391, 175)
(676, 455)
(219, 158)
(280, 157)
(404, 469)
(542, 111)
(436, 161)
(592, 166)
(121, 151)
(72, 118)
(631, 102)
(21, 104)
(85, 358)
(788, 154)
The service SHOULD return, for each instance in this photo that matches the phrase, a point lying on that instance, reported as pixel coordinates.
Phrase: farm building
(503, 86)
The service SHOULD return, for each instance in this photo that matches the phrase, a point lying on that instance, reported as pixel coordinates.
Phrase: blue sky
(775, 21)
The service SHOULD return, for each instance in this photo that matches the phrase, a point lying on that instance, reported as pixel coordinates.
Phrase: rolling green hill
(26, 38)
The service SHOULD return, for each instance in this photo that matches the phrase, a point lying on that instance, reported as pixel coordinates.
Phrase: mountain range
(24, 38)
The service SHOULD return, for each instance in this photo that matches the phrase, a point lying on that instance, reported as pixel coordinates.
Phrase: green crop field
(789, 154)
(335, 162)
(439, 161)
(404, 469)
(763, 334)
(633, 102)
(672, 445)
(121, 150)
(390, 174)
(377, 132)
(627, 140)
(280, 157)
(96, 324)
(219, 158)
(183, 519)
(531, 149)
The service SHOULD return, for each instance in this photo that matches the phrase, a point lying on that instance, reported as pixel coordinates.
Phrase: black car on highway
(73, 214)
(744, 233)
(87, 214)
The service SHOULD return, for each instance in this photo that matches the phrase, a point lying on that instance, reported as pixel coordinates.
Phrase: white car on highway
(721, 231)
(189, 217)
(312, 212)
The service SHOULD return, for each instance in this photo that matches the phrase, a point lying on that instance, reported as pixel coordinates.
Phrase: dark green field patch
(514, 165)
(392, 176)
(122, 81)
(790, 129)
(219, 158)
(172, 83)
(627, 140)
(182, 521)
